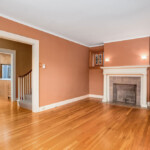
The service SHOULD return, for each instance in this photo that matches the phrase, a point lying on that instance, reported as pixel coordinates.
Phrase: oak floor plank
(84, 125)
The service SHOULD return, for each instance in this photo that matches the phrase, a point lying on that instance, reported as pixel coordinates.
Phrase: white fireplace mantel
(126, 71)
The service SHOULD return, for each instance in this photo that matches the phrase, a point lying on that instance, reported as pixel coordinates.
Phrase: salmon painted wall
(121, 53)
(66, 75)
(96, 78)
(96, 81)
(148, 82)
(148, 85)
(126, 53)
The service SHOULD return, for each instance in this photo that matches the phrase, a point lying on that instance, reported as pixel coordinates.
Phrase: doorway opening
(35, 64)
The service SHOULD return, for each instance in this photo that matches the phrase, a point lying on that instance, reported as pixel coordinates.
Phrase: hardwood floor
(84, 125)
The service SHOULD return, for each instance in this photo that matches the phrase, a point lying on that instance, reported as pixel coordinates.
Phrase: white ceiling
(88, 22)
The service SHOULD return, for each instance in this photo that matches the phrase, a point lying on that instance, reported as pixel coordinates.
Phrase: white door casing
(35, 63)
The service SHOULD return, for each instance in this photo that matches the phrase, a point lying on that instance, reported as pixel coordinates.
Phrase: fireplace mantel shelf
(126, 67)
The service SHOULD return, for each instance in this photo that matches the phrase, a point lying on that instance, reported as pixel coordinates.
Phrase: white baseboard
(42, 108)
(104, 100)
(144, 106)
(95, 96)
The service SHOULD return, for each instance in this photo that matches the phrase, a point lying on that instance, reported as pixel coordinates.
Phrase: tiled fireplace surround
(134, 75)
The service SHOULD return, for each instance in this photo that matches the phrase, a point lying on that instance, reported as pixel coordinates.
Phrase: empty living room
(75, 75)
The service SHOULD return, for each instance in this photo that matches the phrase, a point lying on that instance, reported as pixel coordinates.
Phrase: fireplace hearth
(124, 93)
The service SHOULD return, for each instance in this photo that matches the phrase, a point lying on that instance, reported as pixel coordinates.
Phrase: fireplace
(116, 82)
(124, 93)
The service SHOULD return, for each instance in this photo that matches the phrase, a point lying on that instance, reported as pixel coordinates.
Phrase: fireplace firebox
(124, 93)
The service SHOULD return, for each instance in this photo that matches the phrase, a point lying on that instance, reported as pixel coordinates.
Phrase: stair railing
(24, 85)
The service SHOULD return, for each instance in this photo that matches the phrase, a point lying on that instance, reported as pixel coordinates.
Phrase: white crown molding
(119, 40)
(66, 38)
(42, 108)
(95, 96)
(125, 39)
(126, 67)
(102, 44)
(40, 29)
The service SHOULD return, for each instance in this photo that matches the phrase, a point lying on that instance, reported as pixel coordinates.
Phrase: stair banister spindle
(29, 83)
(24, 85)
(23, 89)
(19, 88)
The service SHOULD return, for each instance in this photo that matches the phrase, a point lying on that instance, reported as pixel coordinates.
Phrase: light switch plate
(43, 66)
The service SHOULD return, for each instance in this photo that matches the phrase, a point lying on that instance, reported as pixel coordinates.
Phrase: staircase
(25, 90)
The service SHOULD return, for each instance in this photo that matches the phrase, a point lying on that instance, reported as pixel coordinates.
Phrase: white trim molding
(126, 67)
(42, 108)
(35, 63)
(95, 96)
(96, 45)
(43, 30)
(67, 38)
(148, 104)
(127, 71)
(127, 38)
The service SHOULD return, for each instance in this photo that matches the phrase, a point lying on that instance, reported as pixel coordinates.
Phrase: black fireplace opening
(124, 93)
